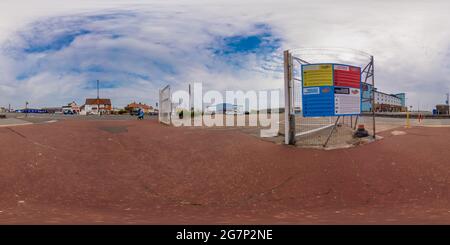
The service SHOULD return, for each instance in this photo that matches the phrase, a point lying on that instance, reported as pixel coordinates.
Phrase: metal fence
(323, 131)
(165, 105)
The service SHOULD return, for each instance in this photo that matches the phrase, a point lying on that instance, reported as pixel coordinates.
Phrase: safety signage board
(331, 90)
(347, 76)
(318, 104)
(347, 101)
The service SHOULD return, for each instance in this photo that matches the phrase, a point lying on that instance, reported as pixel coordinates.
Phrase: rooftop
(139, 105)
(98, 101)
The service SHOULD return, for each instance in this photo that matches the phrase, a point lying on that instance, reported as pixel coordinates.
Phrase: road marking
(13, 125)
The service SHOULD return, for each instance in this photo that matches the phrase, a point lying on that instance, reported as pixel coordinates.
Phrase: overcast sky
(53, 51)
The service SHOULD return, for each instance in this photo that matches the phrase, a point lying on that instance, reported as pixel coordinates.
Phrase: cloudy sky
(53, 51)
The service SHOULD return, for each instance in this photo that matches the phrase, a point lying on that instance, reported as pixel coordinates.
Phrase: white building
(387, 99)
(96, 106)
(71, 108)
(224, 108)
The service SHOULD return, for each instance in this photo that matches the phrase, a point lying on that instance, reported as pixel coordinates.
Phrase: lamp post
(98, 98)
(26, 108)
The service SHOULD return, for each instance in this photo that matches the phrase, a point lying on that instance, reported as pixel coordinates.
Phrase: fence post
(373, 96)
(289, 117)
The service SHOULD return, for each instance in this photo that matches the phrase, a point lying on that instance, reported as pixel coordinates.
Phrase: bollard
(407, 120)
(292, 129)
(361, 132)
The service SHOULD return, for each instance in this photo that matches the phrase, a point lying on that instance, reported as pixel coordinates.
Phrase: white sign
(347, 101)
(311, 90)
(341, 67)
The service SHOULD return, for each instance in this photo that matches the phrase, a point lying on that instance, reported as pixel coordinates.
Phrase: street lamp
(26, 108)
(98, 98)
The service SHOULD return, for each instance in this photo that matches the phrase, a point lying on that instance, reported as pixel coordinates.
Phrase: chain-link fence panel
(165, 105)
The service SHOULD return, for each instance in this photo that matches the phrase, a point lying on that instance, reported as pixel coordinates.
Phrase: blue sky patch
(102, 84)
(56, 43)
(261, 42)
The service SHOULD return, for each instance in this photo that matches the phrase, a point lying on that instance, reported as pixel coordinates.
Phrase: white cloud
(410, 41)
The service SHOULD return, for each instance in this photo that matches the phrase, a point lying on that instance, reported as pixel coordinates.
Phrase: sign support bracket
(332, 130)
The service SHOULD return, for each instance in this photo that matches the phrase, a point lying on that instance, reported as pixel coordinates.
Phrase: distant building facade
(442, 110)
(402, 97)
(71, 107)
(383, 102)
(225, 108)
(132, 107)
(366, 103)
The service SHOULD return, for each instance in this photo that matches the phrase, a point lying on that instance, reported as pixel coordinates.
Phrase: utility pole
(372, 68)
(191, 109)
(26, 108)
(98, 98)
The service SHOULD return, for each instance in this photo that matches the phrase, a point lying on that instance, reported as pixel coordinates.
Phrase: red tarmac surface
(122, 172)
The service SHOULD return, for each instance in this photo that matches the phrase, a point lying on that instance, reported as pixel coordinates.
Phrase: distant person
(141, 114)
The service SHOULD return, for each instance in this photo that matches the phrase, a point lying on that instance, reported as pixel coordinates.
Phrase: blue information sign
(331, 90)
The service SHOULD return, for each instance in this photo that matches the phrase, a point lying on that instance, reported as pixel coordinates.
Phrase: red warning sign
(347, 76)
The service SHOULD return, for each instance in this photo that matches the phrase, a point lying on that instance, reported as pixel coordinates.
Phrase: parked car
(134, 112)
(68, 112)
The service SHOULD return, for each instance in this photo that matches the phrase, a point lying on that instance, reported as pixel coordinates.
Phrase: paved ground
(7, 122)
(118, 171)
(42, 118)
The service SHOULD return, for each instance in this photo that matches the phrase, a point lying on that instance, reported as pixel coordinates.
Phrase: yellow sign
(317, 75)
